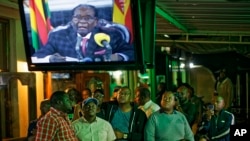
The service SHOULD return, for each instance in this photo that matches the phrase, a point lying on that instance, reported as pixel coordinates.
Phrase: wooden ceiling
(204, 26)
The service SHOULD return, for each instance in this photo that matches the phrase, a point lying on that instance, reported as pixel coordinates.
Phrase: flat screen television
(81, 34)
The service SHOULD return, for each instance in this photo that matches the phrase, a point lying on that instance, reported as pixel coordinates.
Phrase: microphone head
(100, 37)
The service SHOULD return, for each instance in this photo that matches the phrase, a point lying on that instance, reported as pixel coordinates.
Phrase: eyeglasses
(86, 18)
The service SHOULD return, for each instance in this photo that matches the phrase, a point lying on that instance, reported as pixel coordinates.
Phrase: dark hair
(74, 95)
(117, 88)
(162, 85)
(57, 96)
(87, 89)
(126, 87)
(86, 6)
(45, 102)
(144, 92)
(99, 91)
(189, 87)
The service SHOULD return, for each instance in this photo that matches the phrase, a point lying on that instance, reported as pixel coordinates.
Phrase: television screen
(81, 34)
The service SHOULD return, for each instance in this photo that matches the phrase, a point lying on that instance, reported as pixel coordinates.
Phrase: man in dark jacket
(81, 40)
(185, 105)
(220, 122)
(126, 119)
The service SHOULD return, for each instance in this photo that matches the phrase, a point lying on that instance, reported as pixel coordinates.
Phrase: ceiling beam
(170, 19)
(202, 42)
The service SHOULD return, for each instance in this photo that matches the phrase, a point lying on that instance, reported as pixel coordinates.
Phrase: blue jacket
(219, 129)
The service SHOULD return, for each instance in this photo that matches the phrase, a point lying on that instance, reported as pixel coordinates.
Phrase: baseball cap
(88, 100)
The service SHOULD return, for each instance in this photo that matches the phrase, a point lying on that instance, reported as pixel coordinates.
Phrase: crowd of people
(127, 116)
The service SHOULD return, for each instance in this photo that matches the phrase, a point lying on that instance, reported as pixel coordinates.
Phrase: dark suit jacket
(220, 126)
(63, 40)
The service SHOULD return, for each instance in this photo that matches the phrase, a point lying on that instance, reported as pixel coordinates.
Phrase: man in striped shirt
(55, 125)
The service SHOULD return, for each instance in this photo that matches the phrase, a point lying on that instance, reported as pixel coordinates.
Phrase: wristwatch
(125, 136)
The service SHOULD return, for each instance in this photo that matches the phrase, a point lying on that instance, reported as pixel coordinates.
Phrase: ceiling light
(166, 35)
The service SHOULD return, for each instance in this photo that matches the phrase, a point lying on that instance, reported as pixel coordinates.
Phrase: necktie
(84, 42)
(77, 48)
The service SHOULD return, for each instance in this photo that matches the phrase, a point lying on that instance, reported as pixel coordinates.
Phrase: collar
(219, 113)
(84, 120)
(147, 104)
(162, 111)
(59, 113)
(87, 36)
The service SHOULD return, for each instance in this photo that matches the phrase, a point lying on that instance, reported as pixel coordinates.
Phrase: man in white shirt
(143, 100)
(89, 127)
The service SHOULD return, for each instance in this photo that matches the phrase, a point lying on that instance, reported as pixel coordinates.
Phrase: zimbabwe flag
(40, 22)
(122, 15)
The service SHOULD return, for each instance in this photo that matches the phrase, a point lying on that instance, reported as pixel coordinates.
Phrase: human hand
(33, 131)
(77, 111)
(77, 108)
(178, 108)
(209, 114)
(57, 58)
(118, 134)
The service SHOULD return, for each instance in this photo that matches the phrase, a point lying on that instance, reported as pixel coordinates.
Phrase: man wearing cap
(89, 127)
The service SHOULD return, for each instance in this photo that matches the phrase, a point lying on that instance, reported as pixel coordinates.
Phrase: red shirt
(56, 126)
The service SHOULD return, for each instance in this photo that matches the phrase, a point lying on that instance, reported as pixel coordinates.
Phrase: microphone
(79, 53)
(103, 40)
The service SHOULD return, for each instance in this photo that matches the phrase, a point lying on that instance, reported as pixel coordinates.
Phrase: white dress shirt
(149, 107)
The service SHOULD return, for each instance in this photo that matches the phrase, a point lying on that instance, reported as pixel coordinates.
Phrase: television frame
(137, 64)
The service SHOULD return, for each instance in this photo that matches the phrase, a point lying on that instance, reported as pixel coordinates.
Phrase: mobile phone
(210, 107)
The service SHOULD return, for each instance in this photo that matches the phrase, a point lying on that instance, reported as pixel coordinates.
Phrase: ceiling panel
(222, 25)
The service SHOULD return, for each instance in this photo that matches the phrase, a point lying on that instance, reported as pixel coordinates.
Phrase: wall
(9, 11)
(203, 81)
